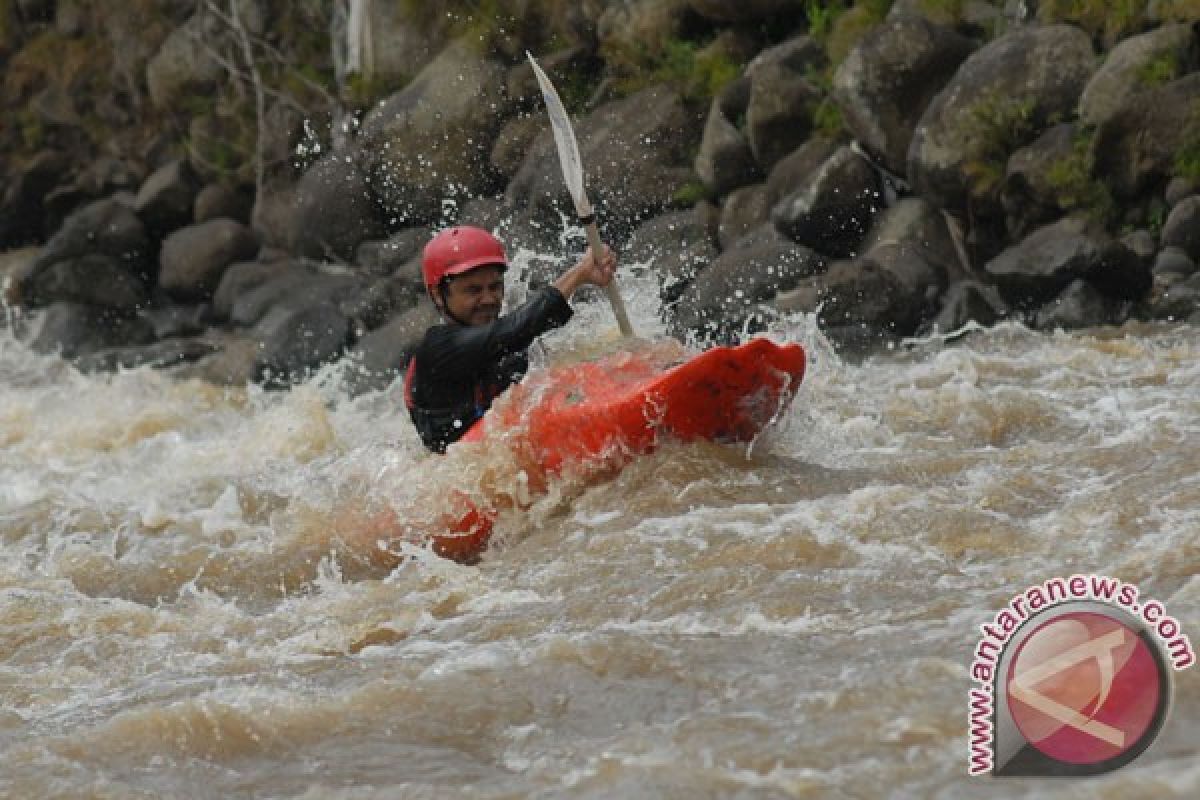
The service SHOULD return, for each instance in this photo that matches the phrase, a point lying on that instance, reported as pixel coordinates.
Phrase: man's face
(475, 297)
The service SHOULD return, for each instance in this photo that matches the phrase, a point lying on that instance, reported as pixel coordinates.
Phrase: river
(188, 607)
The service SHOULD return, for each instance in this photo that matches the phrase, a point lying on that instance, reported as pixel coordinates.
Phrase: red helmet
(458, 250)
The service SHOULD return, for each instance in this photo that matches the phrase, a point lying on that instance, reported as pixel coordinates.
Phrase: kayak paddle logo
(1073, 679)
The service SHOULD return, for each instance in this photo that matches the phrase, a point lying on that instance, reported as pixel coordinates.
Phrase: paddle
(572, 168)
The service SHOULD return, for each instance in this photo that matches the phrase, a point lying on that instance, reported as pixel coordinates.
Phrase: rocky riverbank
(200, 185)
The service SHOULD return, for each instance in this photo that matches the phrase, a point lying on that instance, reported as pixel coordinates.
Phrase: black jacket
(458, 370)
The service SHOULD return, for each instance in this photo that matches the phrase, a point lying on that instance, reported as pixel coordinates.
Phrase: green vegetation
(851, 27)
(821, 17)
(998, 126)
(1187, 159)
(943, 12)
(1163, 69)
(1106, 20)
(699, 69)
(1179, 10)
(690, 194)
(1075, 186)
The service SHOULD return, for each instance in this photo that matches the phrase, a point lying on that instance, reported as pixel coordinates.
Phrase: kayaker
(465, 362)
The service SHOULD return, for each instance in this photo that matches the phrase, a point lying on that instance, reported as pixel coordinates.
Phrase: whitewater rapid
(189, 606)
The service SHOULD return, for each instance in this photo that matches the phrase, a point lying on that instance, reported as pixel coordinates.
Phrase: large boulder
(1182, 228)
(72, 330)
(914, 226)
(725, 161)
(333, 211)
(676, 246)
(93, 279)
(779, 116)
(184, 64)
(726, 298)
(1137, 145)
(193, 259)
(833, 212)
(1001, 96)
(382, 354)
(888, 79)
(432, 140)
(99, 257)
(636, 153)
(742, 211)
(295, 343)
(1029, 193)
(167, 198)
(241, 278)
(1080, 305)
(1051, 258)
(1124, 73)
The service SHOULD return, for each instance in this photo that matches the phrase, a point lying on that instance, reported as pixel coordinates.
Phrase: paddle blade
(564, 140)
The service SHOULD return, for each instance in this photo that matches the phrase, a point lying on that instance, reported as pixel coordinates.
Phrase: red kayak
(595, 416)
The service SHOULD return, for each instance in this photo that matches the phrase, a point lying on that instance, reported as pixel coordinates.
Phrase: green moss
(821, 17)
(690, 194)
(849, 29)
(1187, 158)
(1163, 69)
(943, 12)
(998, 125)
(1106, 20)
(827, 119)
(698, 68)
(1075, 185)
(1179, 10)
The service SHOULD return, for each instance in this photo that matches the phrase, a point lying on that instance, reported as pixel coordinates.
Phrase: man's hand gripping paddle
(568, 157)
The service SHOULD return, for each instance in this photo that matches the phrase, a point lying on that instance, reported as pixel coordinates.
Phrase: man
(462, 365)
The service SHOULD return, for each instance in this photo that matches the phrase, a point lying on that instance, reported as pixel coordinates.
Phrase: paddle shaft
(614, 294)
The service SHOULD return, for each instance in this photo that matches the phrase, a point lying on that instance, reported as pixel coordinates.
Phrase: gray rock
(183, 66)
(432, 140)
(916, 225)
(1143, 244)
(968, 301)
(889, 78)
(677, 246)
(170, 322)
(726, 298)
(1120, 78)
(1174, 261)
(782, 99)
(743, 211)
(832, 213)
(106, 226)
(160, 355)
(166, 199)
(724, 161)
(241, 278)
(1136, 146)
(92, 279)
(1182, 228)
(513, 142)
(385, 256)
(796, 170)
(194, 258)
(220, 201)
(1177, 303)
(1028, 194)
(1080, 305)
(1051, 258)
(1034, 73)
(636, 151)
(1180, 188)
(334, 210)
(383, 354)
(73, 330)
(864, 292)
(295, 343)
(293, 291)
